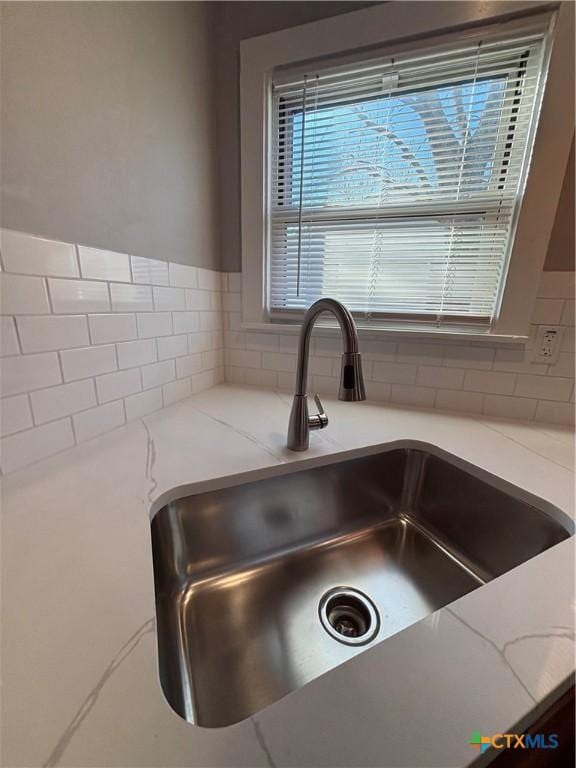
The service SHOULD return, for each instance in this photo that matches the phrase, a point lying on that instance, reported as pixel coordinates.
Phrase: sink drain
(349, 616)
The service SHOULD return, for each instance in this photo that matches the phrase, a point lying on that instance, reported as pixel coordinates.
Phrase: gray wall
(108, 126)
(561, 248)
(236, 21)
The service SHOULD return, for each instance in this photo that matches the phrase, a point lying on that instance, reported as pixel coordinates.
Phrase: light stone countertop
(79, 672)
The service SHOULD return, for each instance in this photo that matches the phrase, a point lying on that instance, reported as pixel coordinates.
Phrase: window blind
(394, 182)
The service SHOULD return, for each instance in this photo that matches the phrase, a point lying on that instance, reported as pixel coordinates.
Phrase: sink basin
(265, 584)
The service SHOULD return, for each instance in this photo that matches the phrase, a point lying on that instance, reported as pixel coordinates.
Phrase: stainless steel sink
(263, 585)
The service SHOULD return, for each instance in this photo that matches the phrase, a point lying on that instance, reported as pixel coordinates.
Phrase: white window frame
(384, 25)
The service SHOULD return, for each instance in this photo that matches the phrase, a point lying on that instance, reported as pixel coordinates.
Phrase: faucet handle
(320, 420)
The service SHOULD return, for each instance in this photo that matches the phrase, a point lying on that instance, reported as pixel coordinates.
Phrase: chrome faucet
(351, 378)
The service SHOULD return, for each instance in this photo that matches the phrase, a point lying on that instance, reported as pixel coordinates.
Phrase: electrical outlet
(547, 346)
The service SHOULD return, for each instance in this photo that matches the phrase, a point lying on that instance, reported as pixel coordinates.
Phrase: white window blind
(394, 183)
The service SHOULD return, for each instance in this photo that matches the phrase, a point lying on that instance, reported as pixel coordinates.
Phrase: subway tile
(324, 385)
(134, 353)
(154, 324)
(89, 361)
(378, 350)
(41, 333)
(567, 342)
(168, 299)
(149, 271)
(15, 414)
(198, 300)
(235, 282)
(518, 361)
(234, 321)
(213, 358)
(216, 303)
(261, 342)
(493, 382)
(326, 345)
(254, 377)
(394, 373)
(158, 373)
(186, 366)
(99, 420)
(543, 387)
(176, 390)
(172, 346)
(208, 280)
(290, 344)
(182, 276)
(23, 295)
(232, 302)
(439, 376)
(555, 413)
(274, 361)
(453, 400)
(143, 403)
(421, 397)
(27, 372)
(564, 366)
(468, 357)
(112, 386)
(8, 339)
(105, 329)
(126, 297)
(505, 407)
(556, 285)
(216, 339)
(186, 322)
(379, 391)
(78, 296)
(64, 400)
(286, 381)
(199, 342)
(30, 255)
(206, 380)
(25, 448)
(323, 366)
(210, 321)
(419, 353)
(235, 375)
(568, 313)
(96, 264)
(547, 311)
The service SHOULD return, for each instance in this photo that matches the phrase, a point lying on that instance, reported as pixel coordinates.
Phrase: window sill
(327, 328)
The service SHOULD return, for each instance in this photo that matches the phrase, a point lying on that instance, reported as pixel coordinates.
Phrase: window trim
(390, 24)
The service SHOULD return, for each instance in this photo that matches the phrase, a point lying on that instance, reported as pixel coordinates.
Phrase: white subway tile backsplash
(154, 324)
(172, 346)
(186, 366)
(468, 357)
(439, 376)
(564, 366)
(555, 413)
(41, 333)
(105, 329)
(257, 378)
(96, 264)
(183, 276)
(131, 298)
(28, 372)
(198, 300)
(409, 395)
(112, 386)
(209, 280)
(186, 322)
(421, 353)
(394, 373)
(547, 311)
(149, 271)
(200, 342)
(64, 400)
(15, 414)
(169, 299)
(234, 282)
(210, 321)
(158, 373)
(8, 339)
(213, 358)
(89, 361)
(517, 361)
(143, 403)
(28, 255)
(78, 296)
(23, 295)
(543, 387)
(505, 407)
(99, 420)
(206, 380)
(134, 353)
(176, 390)
(26, 447)
(261, 342)
(491, 382)
(232, 302)
(453, 400)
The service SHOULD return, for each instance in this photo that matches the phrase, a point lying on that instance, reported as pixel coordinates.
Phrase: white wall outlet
(547, 346)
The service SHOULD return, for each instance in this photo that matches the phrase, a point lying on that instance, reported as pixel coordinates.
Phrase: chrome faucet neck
(351, 380)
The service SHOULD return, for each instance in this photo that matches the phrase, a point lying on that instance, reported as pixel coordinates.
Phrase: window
(395, 182)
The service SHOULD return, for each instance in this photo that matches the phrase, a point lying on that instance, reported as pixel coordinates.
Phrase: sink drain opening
(349, 616)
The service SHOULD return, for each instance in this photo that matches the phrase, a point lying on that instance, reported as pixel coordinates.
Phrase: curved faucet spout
(351, 378)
